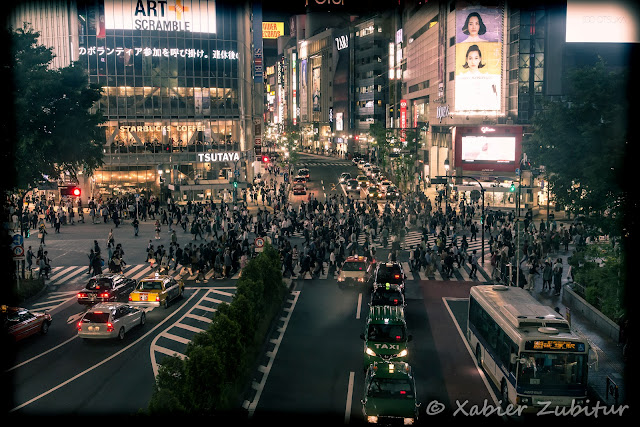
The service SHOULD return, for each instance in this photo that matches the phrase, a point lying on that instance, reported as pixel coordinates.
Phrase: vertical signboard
(315, 86)
(257, 43)
(478, 78)
(294, 89)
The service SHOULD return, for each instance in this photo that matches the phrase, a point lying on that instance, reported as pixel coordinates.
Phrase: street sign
(517, 171)
(259, 242)
(17, 246)
(438, 180)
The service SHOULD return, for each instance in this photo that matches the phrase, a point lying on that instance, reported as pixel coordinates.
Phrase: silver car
(110, 320)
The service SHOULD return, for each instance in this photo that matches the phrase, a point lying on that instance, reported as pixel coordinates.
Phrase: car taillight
(397, 276)
(79, 326)
(157, 298)
(104, 295)
(82, 295)
(130, 299)
(109, 327)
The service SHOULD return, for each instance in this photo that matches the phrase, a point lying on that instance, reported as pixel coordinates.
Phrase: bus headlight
(523, 400)
(408, 421)
(403, 353)
(370, 352)
(372, 419)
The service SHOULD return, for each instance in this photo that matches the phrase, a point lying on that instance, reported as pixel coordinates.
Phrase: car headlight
(372, 419)
(360, 279)
(370, 352)
(408, 421)
(403, 353)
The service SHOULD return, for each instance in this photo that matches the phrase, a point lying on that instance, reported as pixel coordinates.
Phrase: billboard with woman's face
(478, 71)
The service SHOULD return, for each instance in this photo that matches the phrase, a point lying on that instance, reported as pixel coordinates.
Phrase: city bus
(527, 349)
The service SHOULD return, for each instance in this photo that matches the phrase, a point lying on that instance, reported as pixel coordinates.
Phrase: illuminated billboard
(196, 16)
(487, 148)
(272, 30)
(478, 56)
(604, 21)
(498, 149)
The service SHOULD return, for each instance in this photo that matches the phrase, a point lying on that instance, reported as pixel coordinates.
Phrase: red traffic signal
(70, 191)
(265, 159)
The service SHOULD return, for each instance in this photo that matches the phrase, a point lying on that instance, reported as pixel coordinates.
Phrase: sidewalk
(610, 362)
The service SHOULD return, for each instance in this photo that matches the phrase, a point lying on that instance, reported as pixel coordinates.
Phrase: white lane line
(359, 305)
(466, 344)
(86, 371)
(251, 406)
(347, 411)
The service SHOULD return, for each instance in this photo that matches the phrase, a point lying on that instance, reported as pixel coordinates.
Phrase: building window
(451, 75)
(452, 41)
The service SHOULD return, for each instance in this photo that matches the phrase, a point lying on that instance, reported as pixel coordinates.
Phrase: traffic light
(70, 191)
(235, 184)
(513, 187)
(265, 159)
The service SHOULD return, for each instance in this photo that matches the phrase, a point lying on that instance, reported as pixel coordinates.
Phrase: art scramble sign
(196, 16)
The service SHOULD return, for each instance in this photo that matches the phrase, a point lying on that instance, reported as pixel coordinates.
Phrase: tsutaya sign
(197, 16)
(233, 156)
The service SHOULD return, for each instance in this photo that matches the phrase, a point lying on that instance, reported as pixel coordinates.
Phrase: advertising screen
(478, 57)
(499, 149)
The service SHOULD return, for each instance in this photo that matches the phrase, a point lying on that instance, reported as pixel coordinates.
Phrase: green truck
(390, 394)
(385, 335)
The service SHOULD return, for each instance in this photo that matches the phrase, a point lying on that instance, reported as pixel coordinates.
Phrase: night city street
(333, 212)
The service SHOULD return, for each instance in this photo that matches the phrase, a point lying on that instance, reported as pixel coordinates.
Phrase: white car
(110, 320)
(344, 177)
(361, 164)
(384, 185)
(367, 168)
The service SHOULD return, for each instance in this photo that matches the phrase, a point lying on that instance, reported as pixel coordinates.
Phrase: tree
(581, 141)
(56, 130)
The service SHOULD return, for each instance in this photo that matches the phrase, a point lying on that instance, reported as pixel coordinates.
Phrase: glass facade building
(175, 87)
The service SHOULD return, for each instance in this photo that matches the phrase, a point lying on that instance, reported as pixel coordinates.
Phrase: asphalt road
(316, 364)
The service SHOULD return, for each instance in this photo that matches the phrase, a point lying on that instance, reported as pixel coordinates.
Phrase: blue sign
(517, 171)
(18, 240)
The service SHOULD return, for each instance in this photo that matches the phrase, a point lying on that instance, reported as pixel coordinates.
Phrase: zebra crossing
(321, 163)
(78, 274)
(411, 239)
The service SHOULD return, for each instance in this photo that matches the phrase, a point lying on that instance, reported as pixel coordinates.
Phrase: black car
(392, 192)
(389, 273)
(387, 295)
(108, 287)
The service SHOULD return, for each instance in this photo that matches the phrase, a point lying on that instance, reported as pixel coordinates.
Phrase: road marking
(466, 344)
(359, 305)
(97, 365)
(251, 406)
(347, 411)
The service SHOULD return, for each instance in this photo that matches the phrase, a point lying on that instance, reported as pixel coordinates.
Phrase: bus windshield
(552, 370)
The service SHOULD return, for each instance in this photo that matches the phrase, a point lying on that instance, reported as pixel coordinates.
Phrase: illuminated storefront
(174, 86)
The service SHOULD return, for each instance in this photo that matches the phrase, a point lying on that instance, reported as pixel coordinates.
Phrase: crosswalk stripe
(407, 270)
(464, 274)
(60, 273)
(142, 273)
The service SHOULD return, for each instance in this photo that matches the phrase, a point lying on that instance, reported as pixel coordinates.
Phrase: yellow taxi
(156, 291)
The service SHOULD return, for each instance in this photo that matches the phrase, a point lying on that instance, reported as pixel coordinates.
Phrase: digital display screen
(489, 149)
(554, 345)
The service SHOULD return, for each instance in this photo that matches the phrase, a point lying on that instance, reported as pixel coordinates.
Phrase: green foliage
(582, 143)
(600, 270)
(212, 375)
(56, 131)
